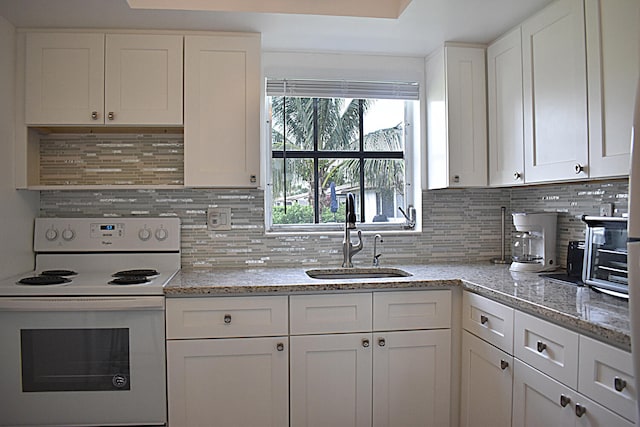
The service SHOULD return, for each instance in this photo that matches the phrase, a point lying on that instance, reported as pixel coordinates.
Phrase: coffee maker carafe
(534, 244)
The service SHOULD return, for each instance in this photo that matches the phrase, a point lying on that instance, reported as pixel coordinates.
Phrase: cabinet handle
(381, 342)
(541, 346)
(365, 343)
(564, 400)
(517, 176)
(227, 319)
(94, 115)
(580, 410)
(456, 179)
(504, 364)
(578, 168)
(253, 179)
(483, 319)
(111, 115)
(619, 384)
(280, 346)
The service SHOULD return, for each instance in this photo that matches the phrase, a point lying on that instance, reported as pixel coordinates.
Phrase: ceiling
(423, 26)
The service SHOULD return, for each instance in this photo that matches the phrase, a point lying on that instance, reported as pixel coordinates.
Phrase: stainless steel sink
(356, 273)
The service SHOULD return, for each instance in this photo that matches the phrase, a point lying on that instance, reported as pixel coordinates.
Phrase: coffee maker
(534, 244)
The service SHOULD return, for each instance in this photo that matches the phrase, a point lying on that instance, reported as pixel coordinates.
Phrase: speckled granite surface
(578, 308)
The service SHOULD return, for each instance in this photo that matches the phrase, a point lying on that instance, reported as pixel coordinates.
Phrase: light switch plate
(218, 219)
(606, 209)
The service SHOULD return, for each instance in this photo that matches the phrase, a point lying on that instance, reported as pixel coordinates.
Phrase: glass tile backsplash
(459, 225)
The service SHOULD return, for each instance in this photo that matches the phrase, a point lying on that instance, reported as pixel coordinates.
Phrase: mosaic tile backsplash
(458, 224)
(117, 159)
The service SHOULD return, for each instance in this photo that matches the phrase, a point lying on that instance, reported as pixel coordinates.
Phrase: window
(330, 138)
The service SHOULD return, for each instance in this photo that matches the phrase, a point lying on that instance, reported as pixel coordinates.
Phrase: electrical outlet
(606, 209)
(218, 219)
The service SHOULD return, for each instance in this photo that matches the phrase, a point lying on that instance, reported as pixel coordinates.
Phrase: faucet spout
(348, 248)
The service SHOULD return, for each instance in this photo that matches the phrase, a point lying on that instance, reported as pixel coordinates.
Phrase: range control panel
(100, 234)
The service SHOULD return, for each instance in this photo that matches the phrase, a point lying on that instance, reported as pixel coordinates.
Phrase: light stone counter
(577, 308)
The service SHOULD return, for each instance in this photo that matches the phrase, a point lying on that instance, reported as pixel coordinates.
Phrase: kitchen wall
(461, 225)
(17, 208)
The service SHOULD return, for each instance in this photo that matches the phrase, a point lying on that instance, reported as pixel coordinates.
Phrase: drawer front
(489, 320)
(605, 374)
(330, 313)
(549, 348)
(216, 317)
(411, 310)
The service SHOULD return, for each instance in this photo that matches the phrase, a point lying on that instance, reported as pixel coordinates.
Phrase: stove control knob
(51, 234)
(161, 234)
(144, 234)
(68, 234)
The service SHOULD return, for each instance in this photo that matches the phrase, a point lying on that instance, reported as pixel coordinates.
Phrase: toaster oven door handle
(82, 304)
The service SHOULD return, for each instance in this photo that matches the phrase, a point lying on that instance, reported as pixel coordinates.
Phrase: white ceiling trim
(391, 9)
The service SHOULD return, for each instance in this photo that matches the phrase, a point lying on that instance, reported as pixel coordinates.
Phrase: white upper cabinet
(456, 118)
(143, 79)
(222, 110)
(555, 93)
(613, 35)
(504, 100)
(73, 79)
(64, 78)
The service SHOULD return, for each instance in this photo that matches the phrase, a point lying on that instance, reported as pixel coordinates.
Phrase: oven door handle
(82, 304)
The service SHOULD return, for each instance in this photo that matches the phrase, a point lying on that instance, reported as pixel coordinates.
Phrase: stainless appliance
(605, 261)
(83, 339)
(534, 245)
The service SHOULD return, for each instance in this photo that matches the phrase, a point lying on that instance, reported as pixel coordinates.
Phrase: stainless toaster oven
(605, 258)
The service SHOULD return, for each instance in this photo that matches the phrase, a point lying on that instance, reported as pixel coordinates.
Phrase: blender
(534, 244)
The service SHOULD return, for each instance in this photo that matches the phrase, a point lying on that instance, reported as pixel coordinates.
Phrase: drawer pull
(564, 400)
(541, 346)
(619, 383)
(111, 116)
(280, 346)
(94, 115)
(365, 343)
(580, 410)
(381, 342)
(227, 319)
(504, 364)
(483, 319)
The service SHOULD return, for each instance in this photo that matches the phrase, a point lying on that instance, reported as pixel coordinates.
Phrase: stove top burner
(43, 280)
(58, 273)
(129, 280)
(140, 272)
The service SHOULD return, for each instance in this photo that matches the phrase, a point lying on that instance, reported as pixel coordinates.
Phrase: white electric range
(83, 334)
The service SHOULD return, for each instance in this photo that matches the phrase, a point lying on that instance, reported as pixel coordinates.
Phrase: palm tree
(335, 127)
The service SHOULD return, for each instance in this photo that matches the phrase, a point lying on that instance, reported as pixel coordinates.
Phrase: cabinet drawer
(549, 348)
(330, 313)
(216, 317)
(605, 374)
(489, 320)
(411, 310)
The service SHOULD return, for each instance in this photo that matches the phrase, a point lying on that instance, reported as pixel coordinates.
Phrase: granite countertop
(577, 308)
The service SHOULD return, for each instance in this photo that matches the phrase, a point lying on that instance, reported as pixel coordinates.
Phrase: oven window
(75, 359)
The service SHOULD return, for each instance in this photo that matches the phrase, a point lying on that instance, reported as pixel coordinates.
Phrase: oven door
(82, 361)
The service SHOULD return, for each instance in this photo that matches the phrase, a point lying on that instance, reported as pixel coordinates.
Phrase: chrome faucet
(376, 255)
(348, 250)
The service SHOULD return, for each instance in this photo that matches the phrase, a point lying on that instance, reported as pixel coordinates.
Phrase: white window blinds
(343, 89)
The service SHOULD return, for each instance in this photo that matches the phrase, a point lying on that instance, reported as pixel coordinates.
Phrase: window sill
(338, 230)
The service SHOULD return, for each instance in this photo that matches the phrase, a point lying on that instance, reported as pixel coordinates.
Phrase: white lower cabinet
(228, 382)
(539, 400)
(487, 375)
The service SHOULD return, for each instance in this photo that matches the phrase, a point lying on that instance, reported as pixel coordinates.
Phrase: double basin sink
(356, 273)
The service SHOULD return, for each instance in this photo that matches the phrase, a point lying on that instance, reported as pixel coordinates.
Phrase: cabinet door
(555, 93)
(331, 380)
(411, 378)
(537, 399)
(222, 111)
(613, 36)
(64, 79)
(228, 382)
(487, 375)
(143, 79)
(504, 98)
